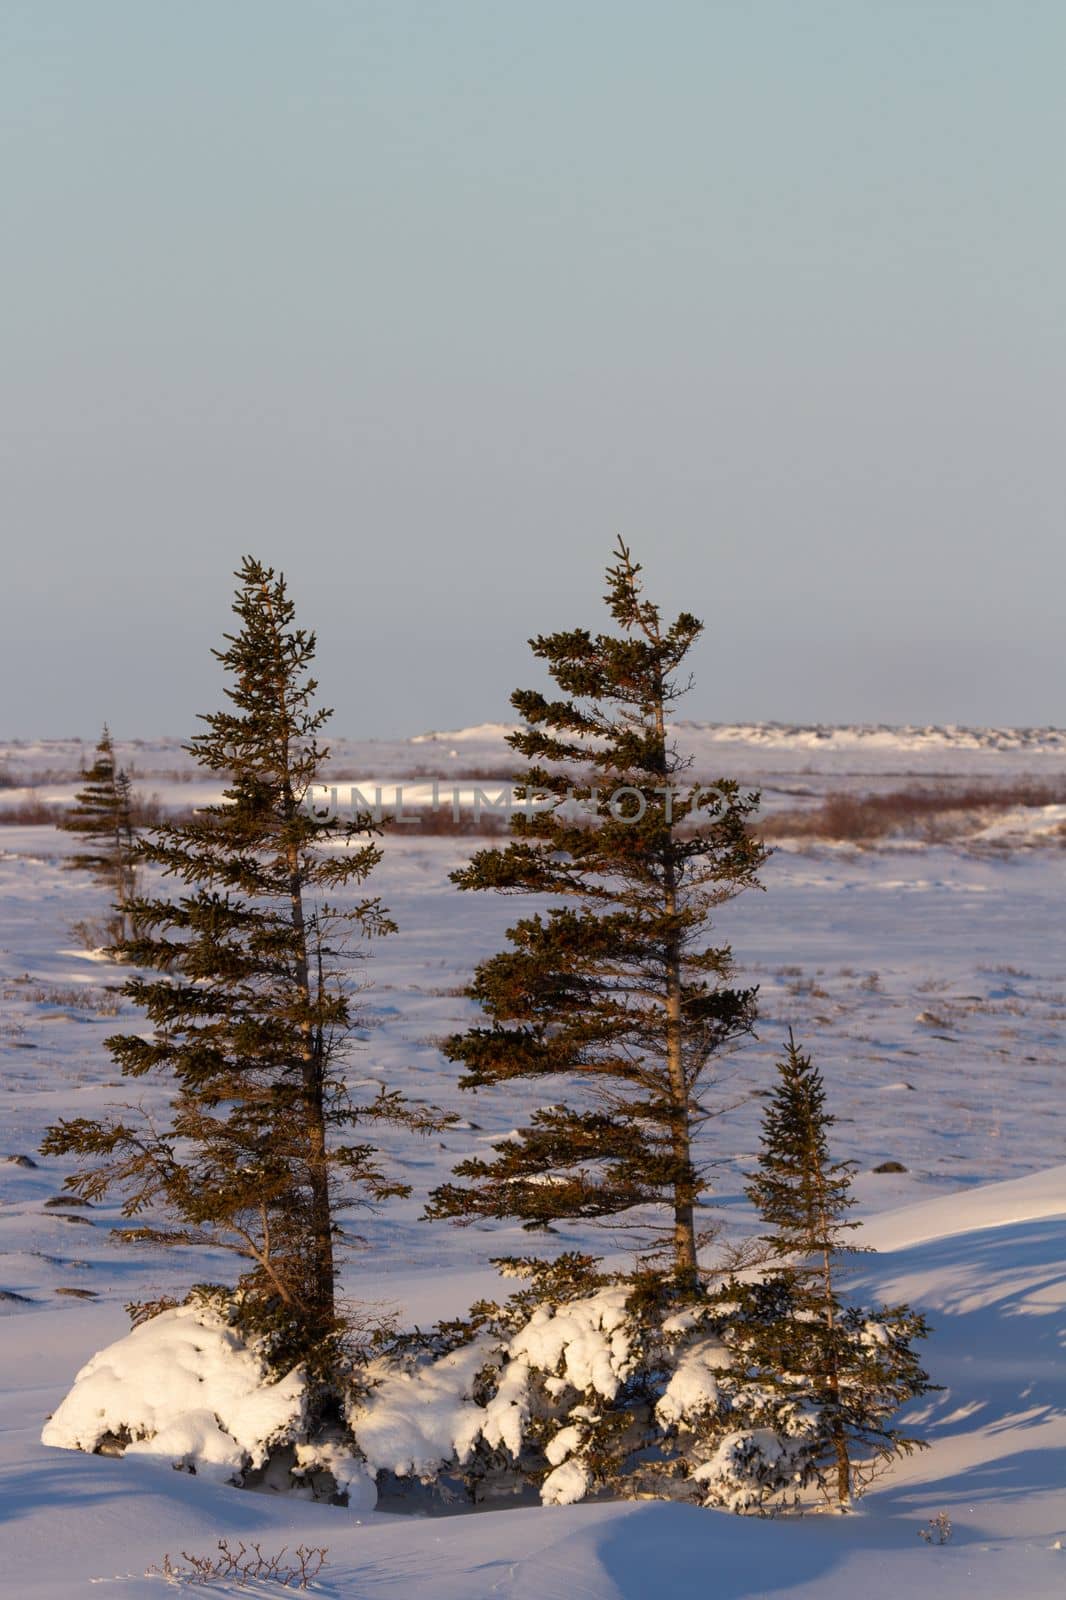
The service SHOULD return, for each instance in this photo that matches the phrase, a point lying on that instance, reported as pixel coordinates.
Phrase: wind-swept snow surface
(997, 1430)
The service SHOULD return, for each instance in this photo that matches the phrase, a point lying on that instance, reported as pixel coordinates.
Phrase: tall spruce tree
(856, 1367)
(254, 1007)
(614, 997)
(102, 815)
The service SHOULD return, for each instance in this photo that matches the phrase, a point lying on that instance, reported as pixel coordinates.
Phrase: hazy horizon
(427, 304)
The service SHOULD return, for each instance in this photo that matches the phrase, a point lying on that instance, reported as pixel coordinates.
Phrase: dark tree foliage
(615, 997)
(856, 1366)
(252, 1005)
(802, 1195)
(102, 816)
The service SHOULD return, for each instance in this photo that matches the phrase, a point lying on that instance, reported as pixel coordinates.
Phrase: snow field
(929, 983)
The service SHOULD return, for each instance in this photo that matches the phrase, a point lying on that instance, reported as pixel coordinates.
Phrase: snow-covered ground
(997, 1428)
(930, 983)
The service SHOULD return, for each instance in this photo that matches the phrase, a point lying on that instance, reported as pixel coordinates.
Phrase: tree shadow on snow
(995, 1300)
(105, 1487)
(683, 1553)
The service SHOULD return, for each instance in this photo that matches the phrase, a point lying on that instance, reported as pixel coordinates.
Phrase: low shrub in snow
(937, 1530)
(243, 1564)
(631, 1387)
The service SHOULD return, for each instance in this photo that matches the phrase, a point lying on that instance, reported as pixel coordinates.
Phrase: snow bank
(993, 1205)
(1026, 825)
(185, 1387)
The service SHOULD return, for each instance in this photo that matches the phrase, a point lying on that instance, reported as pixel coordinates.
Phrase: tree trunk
(323, 1268)
(832, 1377)
(685, 1261)
(684, 1187)
(840, 1448)
(322, 1264)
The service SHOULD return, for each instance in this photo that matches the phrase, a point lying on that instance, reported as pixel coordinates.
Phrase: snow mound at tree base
(625, 1391)
(185, 1388)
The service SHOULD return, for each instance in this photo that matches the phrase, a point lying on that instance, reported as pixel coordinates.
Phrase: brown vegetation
(931, 813)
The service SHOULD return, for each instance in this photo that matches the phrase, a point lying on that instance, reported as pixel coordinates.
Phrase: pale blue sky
(427, 302)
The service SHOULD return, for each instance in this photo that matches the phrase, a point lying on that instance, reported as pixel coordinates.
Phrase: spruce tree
(252, 1007)
(856, 1367)
(614, 998)
(102, 815)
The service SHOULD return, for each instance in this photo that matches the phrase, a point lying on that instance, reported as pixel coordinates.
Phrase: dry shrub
(32, 814)
(930, 812)
(148, 811)
(422, 774)
(447, 823)
(245, 1564)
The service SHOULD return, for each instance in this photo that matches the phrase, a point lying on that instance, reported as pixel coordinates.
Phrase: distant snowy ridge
(815, 736)
(481, 730)
(47, 770)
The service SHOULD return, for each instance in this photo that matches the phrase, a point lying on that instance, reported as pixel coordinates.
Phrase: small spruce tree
(102, 815)
(855, 1367)
(615, 997)
(253, 1007)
